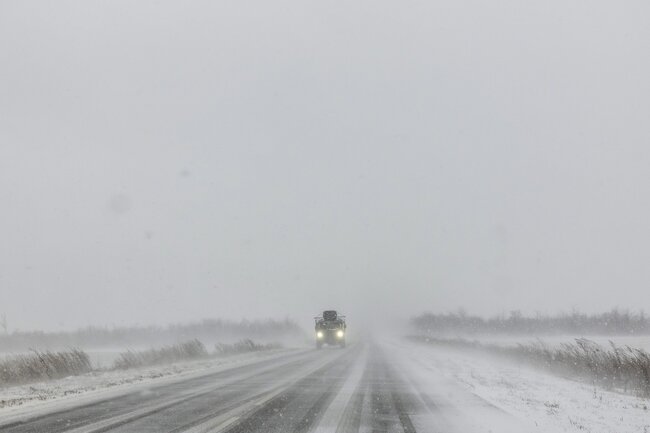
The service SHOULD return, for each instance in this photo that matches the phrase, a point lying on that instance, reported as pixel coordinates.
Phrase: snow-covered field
(542, 401)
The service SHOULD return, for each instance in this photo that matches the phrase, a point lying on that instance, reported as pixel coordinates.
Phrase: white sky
(165, 161)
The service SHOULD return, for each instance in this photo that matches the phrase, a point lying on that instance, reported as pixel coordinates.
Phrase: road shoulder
(45, 397)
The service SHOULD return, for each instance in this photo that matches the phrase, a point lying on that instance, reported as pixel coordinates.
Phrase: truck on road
(330, 329)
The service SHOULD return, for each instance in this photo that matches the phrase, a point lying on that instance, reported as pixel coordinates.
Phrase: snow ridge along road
(365, 388)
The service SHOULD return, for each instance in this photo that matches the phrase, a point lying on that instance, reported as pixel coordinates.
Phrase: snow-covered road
(375, 386)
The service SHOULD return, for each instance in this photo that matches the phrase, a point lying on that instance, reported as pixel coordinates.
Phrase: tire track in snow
(301, 406)
(335, 413)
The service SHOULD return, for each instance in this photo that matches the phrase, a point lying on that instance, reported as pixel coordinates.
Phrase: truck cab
(330, 329)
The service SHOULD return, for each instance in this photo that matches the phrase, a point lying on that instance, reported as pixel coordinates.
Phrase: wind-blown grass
(622, 368)
(243, 346)
(188, 350)
(36, 366)
(39, 366)
(192, 349)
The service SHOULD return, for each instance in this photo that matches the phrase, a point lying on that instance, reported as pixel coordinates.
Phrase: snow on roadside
(96, 383)
(550, 403)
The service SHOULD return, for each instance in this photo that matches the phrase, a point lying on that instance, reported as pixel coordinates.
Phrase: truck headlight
(339, 334)
(319, 334)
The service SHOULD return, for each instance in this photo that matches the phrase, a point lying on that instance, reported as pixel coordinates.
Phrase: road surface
(363, 388)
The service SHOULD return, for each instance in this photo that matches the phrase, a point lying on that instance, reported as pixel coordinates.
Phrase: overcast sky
(166, 161)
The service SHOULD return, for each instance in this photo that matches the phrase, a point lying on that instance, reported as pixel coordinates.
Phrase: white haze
(167, 161)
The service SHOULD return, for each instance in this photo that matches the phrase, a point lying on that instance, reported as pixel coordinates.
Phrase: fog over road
(368, 387)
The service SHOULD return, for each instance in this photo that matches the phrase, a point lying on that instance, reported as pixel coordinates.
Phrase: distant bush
(626, 369)
(37, 366)
(243, 346)
(615, 322)
(192, 349)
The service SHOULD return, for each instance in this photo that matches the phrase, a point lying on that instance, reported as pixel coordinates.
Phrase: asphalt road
(357, 389)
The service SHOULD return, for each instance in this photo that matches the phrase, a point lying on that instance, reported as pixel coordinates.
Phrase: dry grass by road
(36, 366)
(622, 368)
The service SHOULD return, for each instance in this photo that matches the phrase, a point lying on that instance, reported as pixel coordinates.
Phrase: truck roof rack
(339, 317)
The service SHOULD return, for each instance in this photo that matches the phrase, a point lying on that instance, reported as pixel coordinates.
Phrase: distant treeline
(209, 330)
(614, 322)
